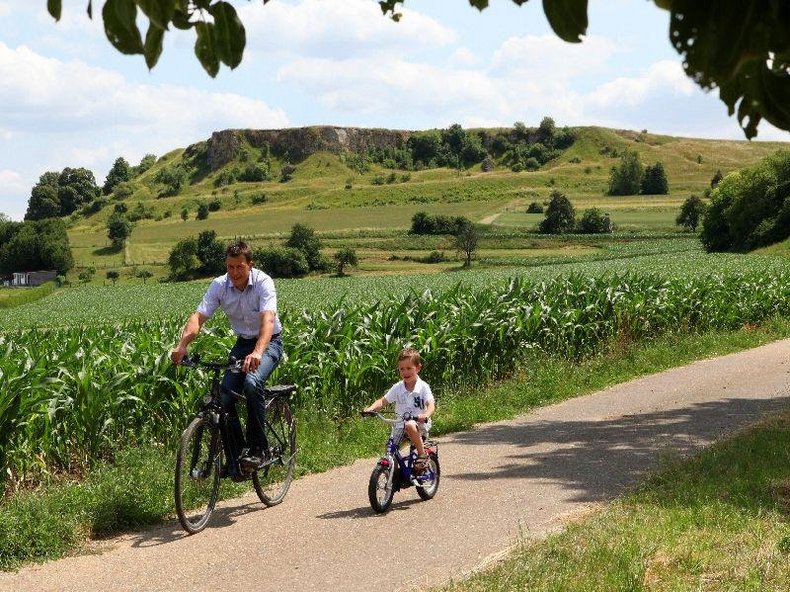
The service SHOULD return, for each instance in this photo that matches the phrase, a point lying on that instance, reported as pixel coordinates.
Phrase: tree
(144, 274)
(691, 212)
(626, 179)
(173, 178)
(560, 215)
(35, 245)
(146, 162)
(119, 228)
(466, 242)
(113, 275)
(750, 207)
(546, 131)
(714, 180)
(60, 194)
(344, 257)
(86, 275)
(43, 203)
(716, 50)
(183, 260)
(76, 187)
(120, 171)
(210, 252)
(303, 238)
(655, 181)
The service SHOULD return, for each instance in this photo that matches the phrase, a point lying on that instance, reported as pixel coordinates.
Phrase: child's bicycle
(394, 471)
(213, 443)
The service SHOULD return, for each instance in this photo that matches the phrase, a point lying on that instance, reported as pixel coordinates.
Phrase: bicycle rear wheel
(197, 474)
(273, 480)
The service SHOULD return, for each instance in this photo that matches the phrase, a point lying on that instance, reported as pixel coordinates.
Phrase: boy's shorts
(398, 434)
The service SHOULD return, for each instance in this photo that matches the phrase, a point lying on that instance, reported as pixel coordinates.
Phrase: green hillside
(327, 192)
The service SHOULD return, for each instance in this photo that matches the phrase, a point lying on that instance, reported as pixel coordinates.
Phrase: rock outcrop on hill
(298, 143)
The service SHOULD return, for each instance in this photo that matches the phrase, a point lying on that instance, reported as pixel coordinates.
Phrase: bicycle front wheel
(273, 480)
(197, 474)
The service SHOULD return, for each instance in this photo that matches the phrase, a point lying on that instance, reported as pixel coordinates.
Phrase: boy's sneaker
(420, 464)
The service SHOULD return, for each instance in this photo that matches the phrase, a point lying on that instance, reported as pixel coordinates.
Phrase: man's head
(238, 263)
(239, 248)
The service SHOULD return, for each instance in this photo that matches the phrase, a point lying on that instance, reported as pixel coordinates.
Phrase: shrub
(202, 211)
(594, 221)
(258, 198)
(287, 173)
(283, 262)
(535, 208)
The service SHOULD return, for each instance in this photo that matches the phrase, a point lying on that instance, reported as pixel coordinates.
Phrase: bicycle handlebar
(405, 417)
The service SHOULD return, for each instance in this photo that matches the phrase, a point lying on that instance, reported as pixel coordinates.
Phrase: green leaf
(180, 19)
(54, 8)
(120, 27)
(205, 48)
(568, 18)
(229, 34)
(159, 12)
(153, 45)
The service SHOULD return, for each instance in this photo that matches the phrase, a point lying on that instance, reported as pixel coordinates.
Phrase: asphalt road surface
(500, 482)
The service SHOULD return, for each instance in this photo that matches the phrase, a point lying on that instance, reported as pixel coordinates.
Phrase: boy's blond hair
(410, 354)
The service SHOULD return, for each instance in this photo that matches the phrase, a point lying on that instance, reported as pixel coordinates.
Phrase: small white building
(33, 278)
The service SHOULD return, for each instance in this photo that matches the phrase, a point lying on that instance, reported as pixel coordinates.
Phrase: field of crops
(675, 258)
(86, 370)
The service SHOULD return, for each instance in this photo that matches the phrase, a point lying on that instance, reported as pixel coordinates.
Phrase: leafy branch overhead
(740, 47)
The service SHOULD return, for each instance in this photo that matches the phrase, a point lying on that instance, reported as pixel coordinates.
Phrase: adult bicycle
(395, 471)
(213, 444)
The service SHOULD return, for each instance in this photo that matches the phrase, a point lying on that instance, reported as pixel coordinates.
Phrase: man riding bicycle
(249, 300)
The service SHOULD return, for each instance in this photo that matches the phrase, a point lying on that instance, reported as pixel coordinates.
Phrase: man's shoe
(254, 460)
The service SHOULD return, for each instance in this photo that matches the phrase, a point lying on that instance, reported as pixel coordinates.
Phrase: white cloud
(67, 113)
(338, 28)
(464, 57)
(76, 98)
(11, 181)
(663, 76)
(380, 85)
(547, 56)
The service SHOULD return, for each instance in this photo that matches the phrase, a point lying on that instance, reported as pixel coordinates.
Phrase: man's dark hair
(237, 248)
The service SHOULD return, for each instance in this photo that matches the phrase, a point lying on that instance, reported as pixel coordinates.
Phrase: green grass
(136, 490)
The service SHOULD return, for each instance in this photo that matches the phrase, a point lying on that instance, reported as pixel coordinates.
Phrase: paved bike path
(500, 481)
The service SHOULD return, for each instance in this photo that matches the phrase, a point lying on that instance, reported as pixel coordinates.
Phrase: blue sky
(69, 99)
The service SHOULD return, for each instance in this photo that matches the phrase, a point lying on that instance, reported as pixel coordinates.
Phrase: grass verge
(136, 490)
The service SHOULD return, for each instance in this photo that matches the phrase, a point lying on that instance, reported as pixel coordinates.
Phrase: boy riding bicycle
(410, 395)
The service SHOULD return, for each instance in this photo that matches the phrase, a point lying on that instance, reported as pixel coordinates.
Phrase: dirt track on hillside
(500, 481)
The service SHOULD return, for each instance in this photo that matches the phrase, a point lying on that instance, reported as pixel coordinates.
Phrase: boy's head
(409, 364)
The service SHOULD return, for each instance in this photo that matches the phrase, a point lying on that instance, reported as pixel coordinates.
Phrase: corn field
(72, 395)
